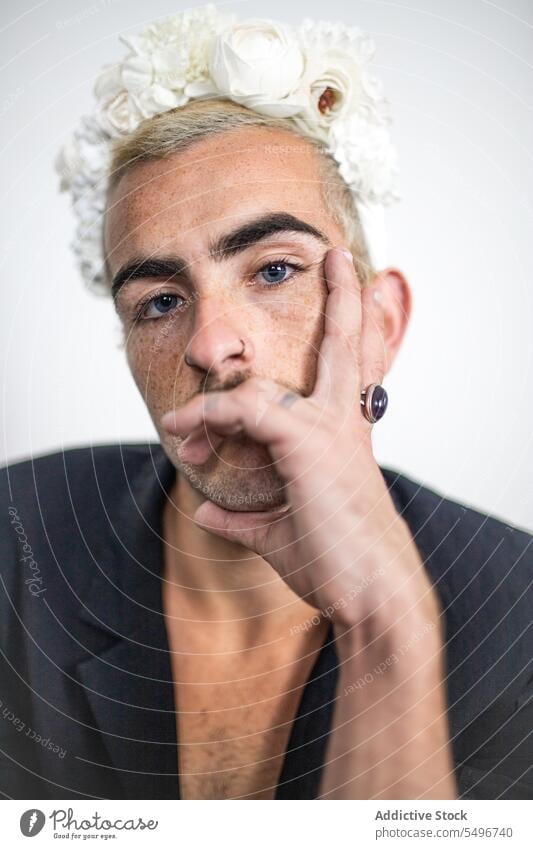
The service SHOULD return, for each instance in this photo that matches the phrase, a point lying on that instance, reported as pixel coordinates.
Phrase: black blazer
(86, 696)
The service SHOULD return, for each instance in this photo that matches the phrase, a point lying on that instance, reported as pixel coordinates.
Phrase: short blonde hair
(178, 129)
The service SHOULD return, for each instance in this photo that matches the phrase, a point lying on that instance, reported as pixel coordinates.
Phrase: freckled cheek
(155, 357)
(286, 334)
(297, 327)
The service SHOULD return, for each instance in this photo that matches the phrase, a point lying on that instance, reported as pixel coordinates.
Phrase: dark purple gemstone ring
(374, 401)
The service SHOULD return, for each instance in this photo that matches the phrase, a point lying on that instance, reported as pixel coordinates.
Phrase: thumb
(249, 529)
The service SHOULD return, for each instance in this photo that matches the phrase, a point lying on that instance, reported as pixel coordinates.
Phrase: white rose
(337, 77)
(337, 90)
(116, 111)
(139, 88)
(257, 63)
(120, 115)
(334, 92)
(367, 159)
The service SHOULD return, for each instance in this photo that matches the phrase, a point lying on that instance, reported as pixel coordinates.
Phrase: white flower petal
(201, 88)
(137, 73)
(109, 83)
(256, 58)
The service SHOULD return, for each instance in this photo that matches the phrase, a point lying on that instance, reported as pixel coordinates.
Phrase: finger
(373, 345)
(248, 529)
(258, 407)
(337, 379)
(199, 445)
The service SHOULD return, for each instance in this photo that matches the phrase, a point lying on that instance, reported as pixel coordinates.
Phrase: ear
(396, 300)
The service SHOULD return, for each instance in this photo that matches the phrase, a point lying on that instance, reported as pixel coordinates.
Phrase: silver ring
(374, 400)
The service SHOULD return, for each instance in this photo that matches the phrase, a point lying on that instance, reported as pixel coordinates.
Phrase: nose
(217, 342)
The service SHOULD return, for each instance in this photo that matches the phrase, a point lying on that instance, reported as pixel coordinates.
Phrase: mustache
(214, 384)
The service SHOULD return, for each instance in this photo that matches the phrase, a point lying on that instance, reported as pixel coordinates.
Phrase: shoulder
(462, 547)
(53, 507)
(62, 478)
(426, 507)
(481, 566)
(482, 569)
(50, 470)
(56, 488)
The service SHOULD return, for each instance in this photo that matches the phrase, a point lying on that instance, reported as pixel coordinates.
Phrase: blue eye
(274, 269)
(160, 305)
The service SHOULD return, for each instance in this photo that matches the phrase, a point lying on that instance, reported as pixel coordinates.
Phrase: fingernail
(348, 254)
(168, 421)
(378, 296)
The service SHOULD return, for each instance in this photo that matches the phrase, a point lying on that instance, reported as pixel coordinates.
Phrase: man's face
(190, 294)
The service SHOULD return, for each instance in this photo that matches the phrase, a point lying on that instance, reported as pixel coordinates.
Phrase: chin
(241, 477)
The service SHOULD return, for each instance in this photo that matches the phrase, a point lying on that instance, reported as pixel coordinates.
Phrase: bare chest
(231, 753)
(233, 733)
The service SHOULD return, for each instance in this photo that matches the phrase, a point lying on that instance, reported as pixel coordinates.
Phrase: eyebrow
(224, 246)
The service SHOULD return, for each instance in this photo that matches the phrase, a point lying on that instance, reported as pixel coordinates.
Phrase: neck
(221, 588)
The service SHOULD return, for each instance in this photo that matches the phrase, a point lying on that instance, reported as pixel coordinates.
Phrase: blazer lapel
(128, 683)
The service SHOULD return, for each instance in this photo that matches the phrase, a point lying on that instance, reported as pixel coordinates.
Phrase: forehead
(211, 187)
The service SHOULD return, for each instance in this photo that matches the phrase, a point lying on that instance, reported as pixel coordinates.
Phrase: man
(254, 609)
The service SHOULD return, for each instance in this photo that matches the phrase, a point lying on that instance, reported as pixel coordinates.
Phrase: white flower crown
(316, 76)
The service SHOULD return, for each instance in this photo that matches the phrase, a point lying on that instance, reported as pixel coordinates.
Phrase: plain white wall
(460, 83)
